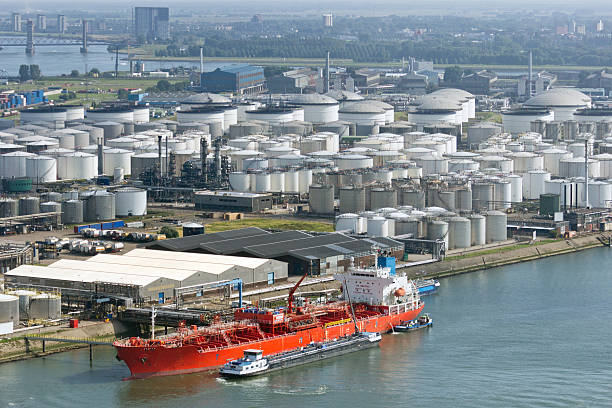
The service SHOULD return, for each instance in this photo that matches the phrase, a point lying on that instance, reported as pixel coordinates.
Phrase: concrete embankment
(15, 348)
(473, 261)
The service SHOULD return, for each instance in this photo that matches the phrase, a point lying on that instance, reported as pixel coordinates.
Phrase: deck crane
(292, 291)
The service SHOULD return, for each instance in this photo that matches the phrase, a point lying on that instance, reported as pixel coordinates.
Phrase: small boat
(254, 363)
(416, 324)
(427, 286)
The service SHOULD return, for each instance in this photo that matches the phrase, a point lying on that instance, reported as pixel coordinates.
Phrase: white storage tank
(304, 180)
(605, 165)
(483, 195)
(348, 222)
(262, 182)
(462, 166)
(432, 164)
(48, 113)
(496, 226)
(526, 161)
(239, 157)
(600, 194)
(117, 158)
(503, 194)
(459, 232)
(277, 182)
(574, 167)
(378, 227)
(362, 113)
(477, 229)
(437, 229)
(552, 157)
(516, 187)
(501, 163)
(41, 169)
(353, 161)
(318, 108)
(519, 121)
(254, 163)
(76, 166)
(130, 201)
(45, 306)
(240, 181)
(14, 164)
(534, 184)
(274, 115)
(204, 114)
(291, 181)
(115, 114)
(9, 313)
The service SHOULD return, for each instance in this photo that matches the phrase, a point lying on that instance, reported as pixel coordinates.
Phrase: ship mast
(348, 297)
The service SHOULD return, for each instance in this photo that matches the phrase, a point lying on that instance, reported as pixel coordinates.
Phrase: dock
(44, 339)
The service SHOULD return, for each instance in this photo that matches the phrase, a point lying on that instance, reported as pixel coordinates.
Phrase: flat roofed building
(237, 78)
(232, 201)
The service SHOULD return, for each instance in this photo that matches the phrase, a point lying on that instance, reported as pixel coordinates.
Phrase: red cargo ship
(380, 301)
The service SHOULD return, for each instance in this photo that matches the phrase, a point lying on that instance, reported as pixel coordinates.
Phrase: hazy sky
(344, 6)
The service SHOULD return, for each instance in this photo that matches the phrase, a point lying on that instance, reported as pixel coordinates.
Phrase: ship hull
(148, 361)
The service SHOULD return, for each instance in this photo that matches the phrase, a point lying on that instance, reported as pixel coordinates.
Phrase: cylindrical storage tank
(352, 199)
(519, 121)
(77, 165)
(443, 199)
(503, 164)
(146, 161)
(24, 302)
(115, 114)
(496, 226)
(41, 169)
(437, 229)
(347, 222)
(239, 156)
(239, 181)
(432, 164)
(463, 199)
(363, 112)
(9, 310)
(29, 205)
(600, 194)
(291, 181)
(552, 157)
(13, 164)
(100, 206)
(483, 195)
(277, 182)
(112, 130)
(516, 188)
(262, 182)
(51, 196)
(574, 167)
(502, 194)
(408, 225)
(273, 115)
(254, 163)
(44, 113)
(321, 199)
(140, 114)
(413, 198)
(8, 208)
(45, 306)
(50, 206)
(353, 161)
(72, 212)
(576, 149)
(462, 165)
(117, 158)
(304, 180)
(243, 108)
(130, 201)
(378, 227)
(605, 165)
(192, 126)
(526, 161)
(534, 184)
(478, 229)
(243, 129)
(382, 198)
(459, 233)
(95, 133)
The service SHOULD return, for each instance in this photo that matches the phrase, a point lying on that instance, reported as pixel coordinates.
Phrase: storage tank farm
(342, 152)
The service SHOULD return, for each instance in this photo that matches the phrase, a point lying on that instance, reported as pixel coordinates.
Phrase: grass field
(499, 250)
(489, 117)
(270, 223)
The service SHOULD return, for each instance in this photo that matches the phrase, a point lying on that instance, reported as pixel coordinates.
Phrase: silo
(77, 165)
(552, 157)
(459, 233)
(378, 227)
(502, 194)
(409, 225)
(432, 164)
(534, 184)
(483, 195)
(117, 158)
(414, 198)
(95, 133)
(13, 165)
(304, 180)
(437, 229)
(24, 302)
(574, 167)
(72, 212)
(9, 312)
(321, 199)
(496, 226)
(41, 169)
(382, 197)
(277, 182)
(443, 199)
(29, 205)
(478, 229)
(463, 199)
(50, 206)
(262, 182)
(554, 130)
(239, 181)
(352, 199)
(130, 201)
(8, 208)
(100, 206)
(525, 161)
(291, 181)
(45, 306)
(516, 187)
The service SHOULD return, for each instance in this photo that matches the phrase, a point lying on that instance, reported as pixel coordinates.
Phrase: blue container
(107, 225)
(118, 224)
(95, 226)
(387, 262)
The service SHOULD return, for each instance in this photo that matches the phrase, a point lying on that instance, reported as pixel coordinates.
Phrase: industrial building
(232, 201)
(241, 79)
(152, 22)
(146, 276)
(303, 252)
(295, 81)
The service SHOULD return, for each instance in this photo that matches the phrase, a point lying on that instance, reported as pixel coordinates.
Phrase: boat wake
(320, 390)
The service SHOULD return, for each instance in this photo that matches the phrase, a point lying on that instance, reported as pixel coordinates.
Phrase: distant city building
(257, 18)
(540, 82)
(581, 29)
(61, 23)
(152, 22)
(295, 81)
(328, 20)
(562, 30)
(240, 79)
(16, 22)
(600, 26)
(41, 22)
